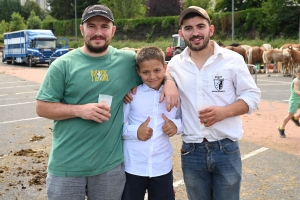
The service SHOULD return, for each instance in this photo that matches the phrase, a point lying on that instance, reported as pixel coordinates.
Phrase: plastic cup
(104, 98)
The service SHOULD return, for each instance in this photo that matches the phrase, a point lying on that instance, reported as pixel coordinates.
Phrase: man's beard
(199, 48)
(97, 49)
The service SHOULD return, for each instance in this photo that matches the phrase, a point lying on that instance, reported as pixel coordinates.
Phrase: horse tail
(250, 56)
(264, 57)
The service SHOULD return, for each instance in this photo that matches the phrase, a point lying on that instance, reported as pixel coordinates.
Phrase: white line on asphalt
(17, 86)
(18, 93)
(254, 153)
(275, 81)
(14, 98)
(17, 104)
(20, 120)
(13, 82)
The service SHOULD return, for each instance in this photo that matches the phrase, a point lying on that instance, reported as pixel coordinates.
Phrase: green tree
(126, 8)
(16, 22)
(4, 27)
(32, 6)
(226, 5)
(157, 8)
(201, 3)
(7, 7)
(34, 22)
(65, 9)
(282, 17)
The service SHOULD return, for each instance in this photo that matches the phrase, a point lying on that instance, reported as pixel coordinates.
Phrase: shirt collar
(147, 88)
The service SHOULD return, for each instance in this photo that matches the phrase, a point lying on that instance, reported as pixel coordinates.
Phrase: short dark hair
(150, 53)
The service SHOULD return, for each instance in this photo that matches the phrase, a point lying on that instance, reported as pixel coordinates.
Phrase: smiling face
(152, 73)
(97, 33)
(196, 32)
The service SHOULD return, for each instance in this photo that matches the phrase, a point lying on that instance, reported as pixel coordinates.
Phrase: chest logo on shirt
(218, 82)
(99, 75)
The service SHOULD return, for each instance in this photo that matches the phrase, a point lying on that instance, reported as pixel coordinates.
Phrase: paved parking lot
(268, 173)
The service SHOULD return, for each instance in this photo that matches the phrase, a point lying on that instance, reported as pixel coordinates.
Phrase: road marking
(17, 104)
(15, 98)
(181, 182)
(14, 82)
(21, 120)
(17, 86)
(18, 93)
(254, 153)
(274, 81)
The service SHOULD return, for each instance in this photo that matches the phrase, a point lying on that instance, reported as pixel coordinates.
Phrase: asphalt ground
(268, 172)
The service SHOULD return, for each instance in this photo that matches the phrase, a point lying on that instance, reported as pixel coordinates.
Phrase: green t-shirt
(84, 147)
(294, 98)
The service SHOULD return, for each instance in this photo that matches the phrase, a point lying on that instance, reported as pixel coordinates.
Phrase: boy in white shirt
(148, 126)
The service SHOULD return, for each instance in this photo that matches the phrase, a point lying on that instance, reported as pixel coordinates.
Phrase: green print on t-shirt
(99, 75)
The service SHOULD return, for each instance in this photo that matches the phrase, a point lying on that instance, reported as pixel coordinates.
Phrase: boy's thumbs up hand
(144, 132)
(169, 128)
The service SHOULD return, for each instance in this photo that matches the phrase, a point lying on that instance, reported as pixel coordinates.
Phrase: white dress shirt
(223, 79)
(153, 157)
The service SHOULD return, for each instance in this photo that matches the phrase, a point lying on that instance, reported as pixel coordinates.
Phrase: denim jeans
(212, 170)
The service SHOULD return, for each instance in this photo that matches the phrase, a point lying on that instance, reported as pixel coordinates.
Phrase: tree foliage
(201, 3)
(125, 8)
(4, 27)
(34, 22)
(16, 22)
(32, 6)
(8, 7)
(158, 8)
(226, 5)
(65, 9)
(282, 16)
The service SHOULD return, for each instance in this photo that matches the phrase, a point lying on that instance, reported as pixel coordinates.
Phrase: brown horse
(254, 55)
(295, 46)
(240, 50)
(277, 56)
(234, 47)
(295, 57)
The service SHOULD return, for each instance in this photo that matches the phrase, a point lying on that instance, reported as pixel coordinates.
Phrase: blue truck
(32, 47)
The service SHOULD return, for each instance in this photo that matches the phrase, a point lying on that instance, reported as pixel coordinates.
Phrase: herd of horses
(285, 60)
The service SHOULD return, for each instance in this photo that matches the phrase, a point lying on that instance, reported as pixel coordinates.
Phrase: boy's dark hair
(150, 53)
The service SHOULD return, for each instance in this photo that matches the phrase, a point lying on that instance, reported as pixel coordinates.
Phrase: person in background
(147, 131)
(215, 88)
(294, 105)
(86, 157)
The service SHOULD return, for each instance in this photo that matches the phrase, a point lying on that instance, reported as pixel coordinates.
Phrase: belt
(204, 140)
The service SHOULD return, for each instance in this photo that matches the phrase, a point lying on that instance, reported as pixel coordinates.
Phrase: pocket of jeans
(231, 147)
(186, 149)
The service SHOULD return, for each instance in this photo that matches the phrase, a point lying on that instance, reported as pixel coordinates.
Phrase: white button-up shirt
(152, 157)
(223, 79)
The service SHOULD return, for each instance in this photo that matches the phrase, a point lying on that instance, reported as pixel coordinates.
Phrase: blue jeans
(212, 170)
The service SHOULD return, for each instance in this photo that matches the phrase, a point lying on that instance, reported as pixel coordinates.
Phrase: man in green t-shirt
(86, 157)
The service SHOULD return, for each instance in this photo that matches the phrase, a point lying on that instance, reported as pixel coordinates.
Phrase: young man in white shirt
(216, 87)
(147, 131)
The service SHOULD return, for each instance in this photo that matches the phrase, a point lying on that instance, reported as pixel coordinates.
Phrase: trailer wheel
(29, 61)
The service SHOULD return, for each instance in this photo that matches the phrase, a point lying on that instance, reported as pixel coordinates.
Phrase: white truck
(32, 47)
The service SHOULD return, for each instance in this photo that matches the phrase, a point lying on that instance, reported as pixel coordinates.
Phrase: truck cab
(32, 47)
(177, 46)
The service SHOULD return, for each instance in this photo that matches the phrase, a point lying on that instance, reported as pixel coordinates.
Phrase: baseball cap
(97, 10)
(193, 9)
